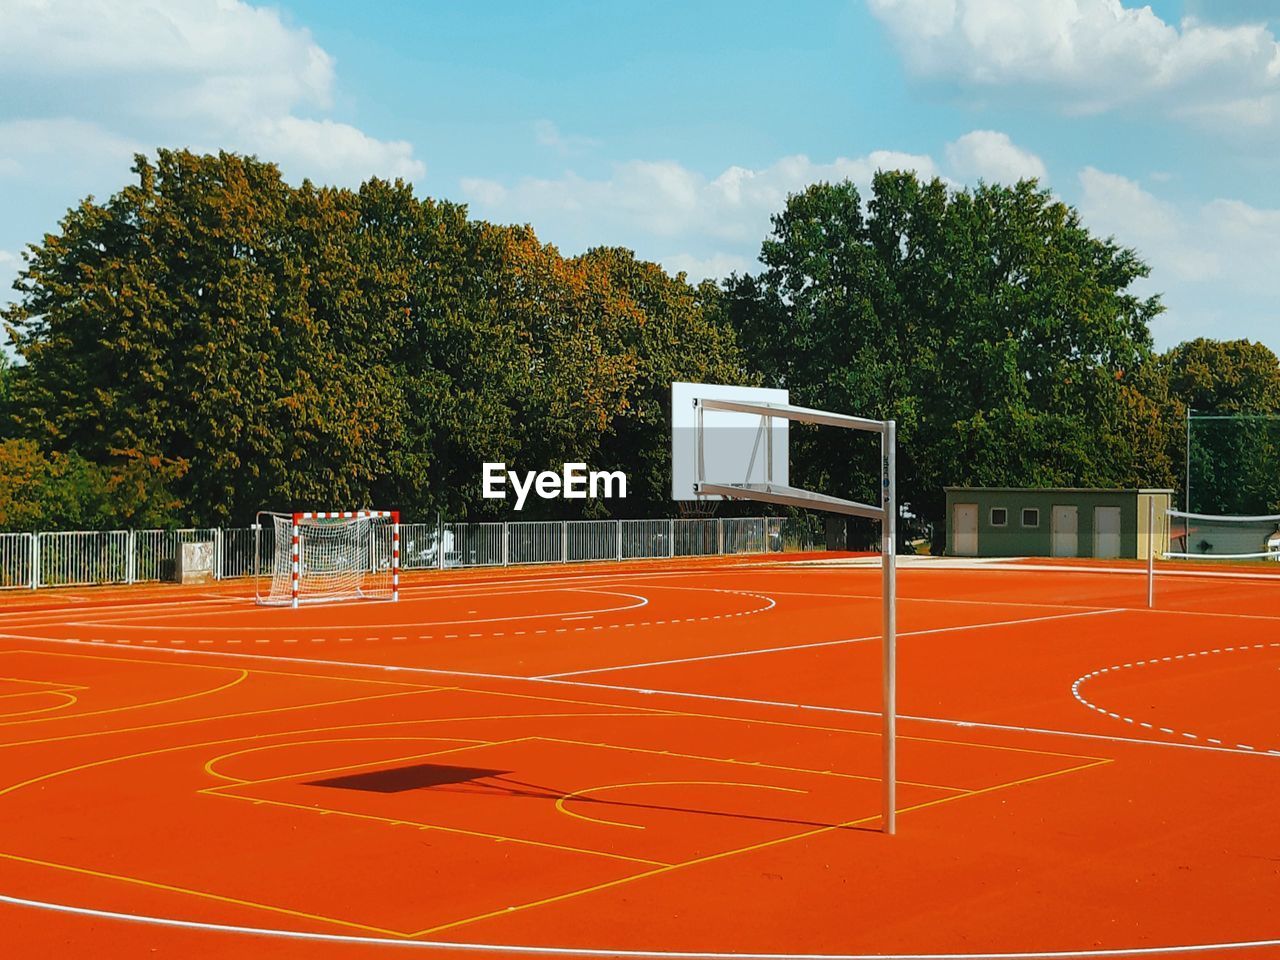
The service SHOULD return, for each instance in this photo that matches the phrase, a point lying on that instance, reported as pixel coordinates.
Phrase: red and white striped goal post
(295, 542)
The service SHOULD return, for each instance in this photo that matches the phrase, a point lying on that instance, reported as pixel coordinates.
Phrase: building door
(1066, 521)
(1106, 532)
(964, 538)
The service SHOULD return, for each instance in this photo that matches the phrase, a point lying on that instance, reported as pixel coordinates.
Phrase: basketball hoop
(697, 509)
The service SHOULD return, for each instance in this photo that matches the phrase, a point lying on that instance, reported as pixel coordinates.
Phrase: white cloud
(715, 224)
(715, 267)
(1093, 55)
(1218, 264)
(33, 147)
(208, 74)
(993, 157)
(331, 152)
(1117, 206)
(643, 199)
(549, 135)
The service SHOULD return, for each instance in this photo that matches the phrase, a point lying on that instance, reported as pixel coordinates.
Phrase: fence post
(564, 541)
(131, 565)
(35, 561)
(719, 536)
(439, 542)
(217, 553)
(506, 545)
(618, 523)
(671, 538)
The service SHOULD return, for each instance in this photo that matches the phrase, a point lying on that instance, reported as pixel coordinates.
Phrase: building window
(1030, 517)
(999, 517)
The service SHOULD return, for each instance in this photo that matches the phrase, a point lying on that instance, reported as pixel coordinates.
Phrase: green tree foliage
(676, 332)
(1233, 460)
(999, 333)
(256, 345)
(64, 491)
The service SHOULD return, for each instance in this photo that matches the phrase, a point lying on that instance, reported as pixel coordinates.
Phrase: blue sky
(678, 128)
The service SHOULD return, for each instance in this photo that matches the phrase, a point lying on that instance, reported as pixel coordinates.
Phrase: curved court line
(69, 699)
(654, 783)
(769, 604)
(647, 691)
(552, 951)
(295, 628)
(208, 767)
(244, 675)
(1153, 661)
(105, 761)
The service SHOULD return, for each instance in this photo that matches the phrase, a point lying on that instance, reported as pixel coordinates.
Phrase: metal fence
(80, 558)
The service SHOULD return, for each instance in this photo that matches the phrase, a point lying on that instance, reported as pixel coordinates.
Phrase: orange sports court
(669, 758)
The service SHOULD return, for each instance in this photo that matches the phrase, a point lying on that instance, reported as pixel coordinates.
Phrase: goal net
(328, 557)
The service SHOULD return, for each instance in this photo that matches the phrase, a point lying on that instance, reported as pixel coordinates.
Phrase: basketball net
(697, 509)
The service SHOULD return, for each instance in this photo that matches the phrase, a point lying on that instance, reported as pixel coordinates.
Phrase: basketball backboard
(736, 447)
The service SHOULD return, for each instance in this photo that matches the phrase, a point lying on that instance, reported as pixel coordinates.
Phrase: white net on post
(1200, 536)
(330, 557)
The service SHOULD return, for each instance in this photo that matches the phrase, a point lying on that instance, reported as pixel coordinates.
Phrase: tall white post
(1187, 489)
(889, 640)
(1151, 550)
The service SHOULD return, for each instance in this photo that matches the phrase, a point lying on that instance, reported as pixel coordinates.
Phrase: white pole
(888, 549)
(1187, 490)
(1151, 550)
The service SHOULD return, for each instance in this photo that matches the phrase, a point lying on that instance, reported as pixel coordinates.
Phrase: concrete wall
(1016, 540)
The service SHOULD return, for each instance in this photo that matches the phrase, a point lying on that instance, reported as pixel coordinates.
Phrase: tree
(265, 346)
(988, 322)
(64, 491)
(673, 331)
(1233, 460)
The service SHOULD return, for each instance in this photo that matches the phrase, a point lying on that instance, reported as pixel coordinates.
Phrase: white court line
(878, 597)
(823, 643)
(256, 628)
(537, 950)
(278, 662)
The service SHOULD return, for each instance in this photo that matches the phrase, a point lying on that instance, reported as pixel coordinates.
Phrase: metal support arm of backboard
(886, 514)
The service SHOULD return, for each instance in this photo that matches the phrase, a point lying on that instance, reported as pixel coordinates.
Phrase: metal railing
(82, 558)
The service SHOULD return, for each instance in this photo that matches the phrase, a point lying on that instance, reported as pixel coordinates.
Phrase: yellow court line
(57, 685)
(68, 700)
(265, 736)
(775, 723)
(468, 743)
(185, 746)
(642, 709)
(750, 763)
(243, 676)
(129, 661)
(655, 783)
(227, 716)
(400, 821)
(507, 911)
(201, 894)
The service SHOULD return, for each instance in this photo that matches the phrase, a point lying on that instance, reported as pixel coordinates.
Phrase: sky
(678, 128)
